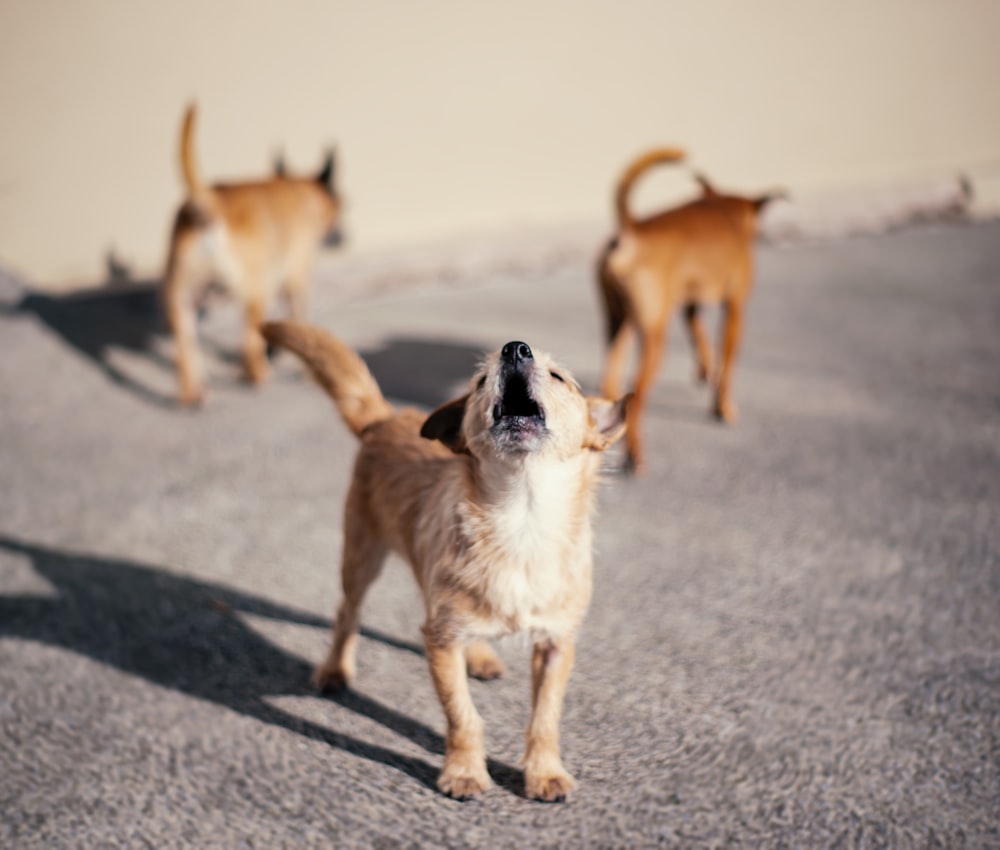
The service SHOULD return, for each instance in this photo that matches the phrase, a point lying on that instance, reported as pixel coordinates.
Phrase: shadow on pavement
(422, 371)
(97, 321)
(126, 316)
(186, 635)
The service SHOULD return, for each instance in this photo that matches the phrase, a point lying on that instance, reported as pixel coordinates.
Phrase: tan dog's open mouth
(518, 419)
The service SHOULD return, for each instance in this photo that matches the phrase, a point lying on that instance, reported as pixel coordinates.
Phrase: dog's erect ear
(329, 171)
(280, 168)
(706, 187)
(607, 422)
(763, 200)
(445, 424)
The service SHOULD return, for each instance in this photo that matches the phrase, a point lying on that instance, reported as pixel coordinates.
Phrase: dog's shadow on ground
(95, 322)
(188, 635)
(122, 315)
(424, 372)
(126, 315)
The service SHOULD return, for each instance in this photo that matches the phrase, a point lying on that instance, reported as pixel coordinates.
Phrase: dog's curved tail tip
(336, 368)
(634, 171)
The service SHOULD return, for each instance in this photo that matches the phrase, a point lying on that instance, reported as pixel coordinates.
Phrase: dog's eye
(481, 382)
(558, 377)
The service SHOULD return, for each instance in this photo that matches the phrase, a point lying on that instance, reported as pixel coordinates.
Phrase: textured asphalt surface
(795, 634)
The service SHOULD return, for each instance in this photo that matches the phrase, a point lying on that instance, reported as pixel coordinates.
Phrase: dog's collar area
(516, 401)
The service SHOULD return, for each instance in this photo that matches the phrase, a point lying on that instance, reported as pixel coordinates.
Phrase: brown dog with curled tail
(684, 258)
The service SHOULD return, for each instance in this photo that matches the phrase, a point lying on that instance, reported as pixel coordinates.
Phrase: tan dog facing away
(256, 239)
(490, 500)
(696, 254)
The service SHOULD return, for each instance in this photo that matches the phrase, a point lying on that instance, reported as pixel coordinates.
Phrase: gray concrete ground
(795, 635)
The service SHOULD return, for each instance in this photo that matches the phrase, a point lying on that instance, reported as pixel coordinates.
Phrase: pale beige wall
(454, 116)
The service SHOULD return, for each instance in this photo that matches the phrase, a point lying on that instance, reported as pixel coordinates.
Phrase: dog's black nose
(514, 352)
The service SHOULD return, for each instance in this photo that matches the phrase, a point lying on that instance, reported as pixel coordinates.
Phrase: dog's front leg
(545, 778)
(464, 774)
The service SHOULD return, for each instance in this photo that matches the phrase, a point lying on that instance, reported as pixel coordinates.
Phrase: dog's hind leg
(179, 306)
(364, 555)
(615, 365)
(545, 778)
(651, 346)
(732, 332)
(464, 774)
(296, 294)
(254, 347)
(617, 322)
(482, 662)
(699, 341)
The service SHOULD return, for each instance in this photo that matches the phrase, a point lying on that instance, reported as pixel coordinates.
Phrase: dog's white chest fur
(531, 553)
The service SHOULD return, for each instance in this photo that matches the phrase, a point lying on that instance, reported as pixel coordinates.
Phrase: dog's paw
(483, 663)
(330, 681)
(463, 782)
(552, 787)
(726, 412)
(193, 397)
(490, 668)
(255, 375)
(633, 465)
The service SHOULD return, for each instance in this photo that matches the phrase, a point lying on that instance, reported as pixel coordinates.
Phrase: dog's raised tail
(635, 170)
(337, 369)
(189, 165)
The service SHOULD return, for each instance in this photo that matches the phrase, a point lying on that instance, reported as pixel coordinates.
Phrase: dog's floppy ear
(607, 421)
(445, 424)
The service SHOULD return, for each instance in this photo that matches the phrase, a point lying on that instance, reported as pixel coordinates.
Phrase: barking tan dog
(490, 500)
(696, 254)
(256, 239)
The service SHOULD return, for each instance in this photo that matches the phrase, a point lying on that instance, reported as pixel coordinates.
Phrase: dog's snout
(513, 353)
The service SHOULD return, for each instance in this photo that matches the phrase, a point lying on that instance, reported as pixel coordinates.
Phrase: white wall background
(455, 117)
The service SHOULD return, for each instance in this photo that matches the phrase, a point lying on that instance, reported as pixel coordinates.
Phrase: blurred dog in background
(696, 254)
(256, 239)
